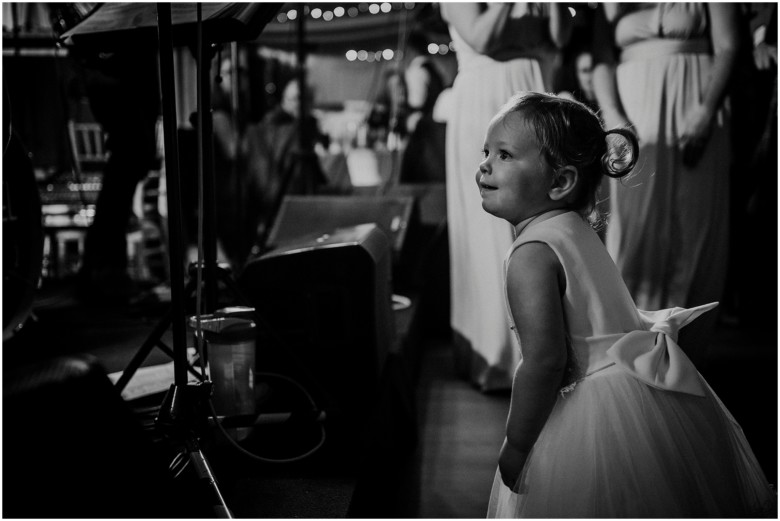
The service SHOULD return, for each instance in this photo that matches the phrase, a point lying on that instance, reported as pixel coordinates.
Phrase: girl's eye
(504, 155)
(485, 153)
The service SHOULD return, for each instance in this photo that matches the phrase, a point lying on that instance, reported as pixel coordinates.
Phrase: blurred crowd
(697, 82)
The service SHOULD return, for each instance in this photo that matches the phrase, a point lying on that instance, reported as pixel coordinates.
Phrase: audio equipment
(327, 300)
(301, 215)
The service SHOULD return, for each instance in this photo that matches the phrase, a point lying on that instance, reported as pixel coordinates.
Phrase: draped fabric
(668, 228)
(478, 240)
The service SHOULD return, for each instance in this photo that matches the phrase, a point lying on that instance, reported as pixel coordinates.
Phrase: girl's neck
(537, 218)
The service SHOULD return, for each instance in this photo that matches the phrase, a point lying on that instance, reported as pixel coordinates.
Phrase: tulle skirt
(616, 447)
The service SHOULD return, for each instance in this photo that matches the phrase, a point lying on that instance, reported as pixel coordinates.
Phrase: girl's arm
(477, 24)
(561, 25)
(535, 285)
(725, 42)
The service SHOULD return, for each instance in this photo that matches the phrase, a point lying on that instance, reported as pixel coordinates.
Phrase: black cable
(256, 457)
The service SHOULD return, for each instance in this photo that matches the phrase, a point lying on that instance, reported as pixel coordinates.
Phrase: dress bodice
(603, 325)
(676, 21)
(528, 21)
(597, 306)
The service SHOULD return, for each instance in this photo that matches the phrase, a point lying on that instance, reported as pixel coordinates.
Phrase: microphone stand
(182, 412)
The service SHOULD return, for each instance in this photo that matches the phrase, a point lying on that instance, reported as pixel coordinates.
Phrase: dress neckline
(539, 218)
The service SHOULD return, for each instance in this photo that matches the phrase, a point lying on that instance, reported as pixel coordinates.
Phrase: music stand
(111, 27)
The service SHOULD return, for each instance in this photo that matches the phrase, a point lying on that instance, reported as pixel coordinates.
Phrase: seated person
(423, 159)
(275, 164)
(390, 111)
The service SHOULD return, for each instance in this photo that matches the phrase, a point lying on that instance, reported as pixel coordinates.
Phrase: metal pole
(173, 180)
(206, 168)
(304, 144)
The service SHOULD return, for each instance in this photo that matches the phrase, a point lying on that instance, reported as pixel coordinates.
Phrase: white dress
(637, 432)
(478, 240)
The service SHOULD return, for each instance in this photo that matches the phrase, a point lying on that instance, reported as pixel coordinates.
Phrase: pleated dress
(477, 240)
(668, 224)
(636, 431)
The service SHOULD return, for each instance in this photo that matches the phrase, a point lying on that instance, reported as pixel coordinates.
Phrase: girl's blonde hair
(571, 134)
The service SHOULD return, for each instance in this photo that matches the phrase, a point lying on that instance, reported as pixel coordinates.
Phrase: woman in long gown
(501, 49)
(668, 227)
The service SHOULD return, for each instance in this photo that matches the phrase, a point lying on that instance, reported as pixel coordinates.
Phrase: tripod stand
(183, 405)
(117, 25)
(155, 337)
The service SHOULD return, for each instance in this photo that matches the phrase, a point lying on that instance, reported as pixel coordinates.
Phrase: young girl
(608, 417)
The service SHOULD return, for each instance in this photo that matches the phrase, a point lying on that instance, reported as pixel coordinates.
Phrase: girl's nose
(484, 168)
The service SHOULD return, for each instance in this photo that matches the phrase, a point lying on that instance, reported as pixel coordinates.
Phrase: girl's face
(513, 178)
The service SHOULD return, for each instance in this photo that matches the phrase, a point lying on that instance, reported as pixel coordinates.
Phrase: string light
(339, 11)
(371, 56)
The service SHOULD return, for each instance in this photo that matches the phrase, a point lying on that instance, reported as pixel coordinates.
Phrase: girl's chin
(491, 211)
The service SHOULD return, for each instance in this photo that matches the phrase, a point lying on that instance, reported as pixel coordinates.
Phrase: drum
(22, 236)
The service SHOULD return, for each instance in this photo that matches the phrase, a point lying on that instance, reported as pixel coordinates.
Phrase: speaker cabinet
(301, 216)
(326, 299)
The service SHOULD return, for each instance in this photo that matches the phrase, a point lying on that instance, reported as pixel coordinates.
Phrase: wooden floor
(461, 433)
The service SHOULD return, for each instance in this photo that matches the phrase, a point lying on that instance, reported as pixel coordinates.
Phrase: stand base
(182, 415)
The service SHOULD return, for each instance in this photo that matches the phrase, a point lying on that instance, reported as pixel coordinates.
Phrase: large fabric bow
(653, 355)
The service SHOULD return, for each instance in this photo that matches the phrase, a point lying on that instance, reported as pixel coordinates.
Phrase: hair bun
(622, 154)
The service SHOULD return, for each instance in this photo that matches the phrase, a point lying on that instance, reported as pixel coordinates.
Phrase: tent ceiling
(362, 30)
(337, 27)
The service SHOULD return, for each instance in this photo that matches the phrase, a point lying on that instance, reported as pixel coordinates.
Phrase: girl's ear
(564, 183)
